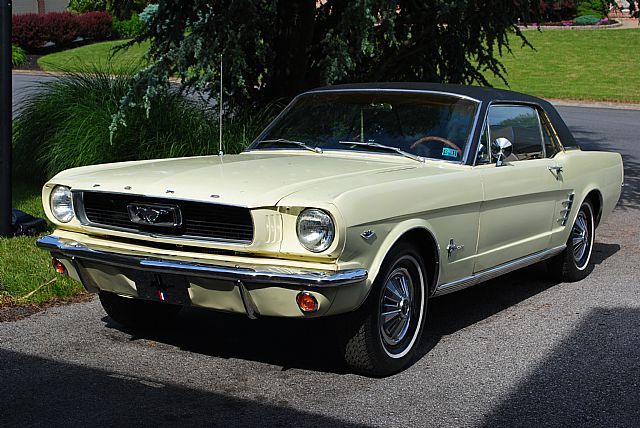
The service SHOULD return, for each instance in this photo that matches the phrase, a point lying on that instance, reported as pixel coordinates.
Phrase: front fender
(370, 254)
(394, 236)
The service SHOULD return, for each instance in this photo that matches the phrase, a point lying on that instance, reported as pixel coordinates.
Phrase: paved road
(517, 351)
(24, 84)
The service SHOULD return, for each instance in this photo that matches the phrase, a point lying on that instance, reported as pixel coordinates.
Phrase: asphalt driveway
(516, 351)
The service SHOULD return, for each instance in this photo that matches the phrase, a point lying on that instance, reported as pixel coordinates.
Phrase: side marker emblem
(453, 247)
(368, 234)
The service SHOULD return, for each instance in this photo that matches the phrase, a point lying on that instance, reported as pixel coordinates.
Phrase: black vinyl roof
(481, 93)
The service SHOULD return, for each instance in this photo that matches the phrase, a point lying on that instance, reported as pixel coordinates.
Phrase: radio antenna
(220, 152)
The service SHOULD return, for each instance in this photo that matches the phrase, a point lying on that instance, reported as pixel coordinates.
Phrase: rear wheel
(387, 328)
(136, 313)
(574, 263)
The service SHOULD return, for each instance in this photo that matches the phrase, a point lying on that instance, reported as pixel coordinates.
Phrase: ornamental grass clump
(18, 56)
(65, 124)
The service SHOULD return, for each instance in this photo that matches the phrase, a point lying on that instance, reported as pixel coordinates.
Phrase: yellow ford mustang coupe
(363, 201)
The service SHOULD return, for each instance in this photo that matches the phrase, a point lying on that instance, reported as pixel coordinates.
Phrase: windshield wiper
(295, 143)
(382, 146)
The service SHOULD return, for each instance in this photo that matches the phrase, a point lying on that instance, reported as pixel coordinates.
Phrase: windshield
(422, 124)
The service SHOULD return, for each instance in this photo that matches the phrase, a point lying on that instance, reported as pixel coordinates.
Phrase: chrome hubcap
(395, 307)
(581, 239)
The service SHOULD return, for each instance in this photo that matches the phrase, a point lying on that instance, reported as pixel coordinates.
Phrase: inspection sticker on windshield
(449, 152)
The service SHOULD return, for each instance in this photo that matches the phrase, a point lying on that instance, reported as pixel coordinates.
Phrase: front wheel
(387, 328)
(574, 263)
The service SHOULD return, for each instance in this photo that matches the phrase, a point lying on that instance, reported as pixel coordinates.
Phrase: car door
(520, 196)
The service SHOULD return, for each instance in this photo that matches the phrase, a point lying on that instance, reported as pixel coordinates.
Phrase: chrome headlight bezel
(319, 222)
(61, 204)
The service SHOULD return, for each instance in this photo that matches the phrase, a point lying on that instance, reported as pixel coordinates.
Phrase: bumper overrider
(253, 289)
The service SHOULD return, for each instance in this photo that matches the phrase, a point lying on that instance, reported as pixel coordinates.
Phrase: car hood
(251, 179)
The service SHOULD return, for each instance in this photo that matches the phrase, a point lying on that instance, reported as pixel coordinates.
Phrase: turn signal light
(306, 302)
(59, 267)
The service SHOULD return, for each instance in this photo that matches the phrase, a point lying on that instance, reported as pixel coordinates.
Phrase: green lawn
(597, 65)
(576, 64)
(23, 267)
(96, 55)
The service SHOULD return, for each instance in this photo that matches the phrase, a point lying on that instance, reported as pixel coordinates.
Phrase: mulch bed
(31, 64)
(35, 54)
(18, 312)
(561, 24)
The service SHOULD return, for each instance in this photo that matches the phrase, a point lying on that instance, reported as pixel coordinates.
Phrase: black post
(5, 118)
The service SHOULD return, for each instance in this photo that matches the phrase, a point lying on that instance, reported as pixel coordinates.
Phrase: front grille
(199, 219)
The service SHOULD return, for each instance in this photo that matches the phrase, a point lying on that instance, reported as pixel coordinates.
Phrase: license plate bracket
(165, 288)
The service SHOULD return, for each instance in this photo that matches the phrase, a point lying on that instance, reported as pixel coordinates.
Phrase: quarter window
(551, 145)
(521, 126)
(483, 156)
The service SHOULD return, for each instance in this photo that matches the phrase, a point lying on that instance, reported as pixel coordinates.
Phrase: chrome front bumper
(250, 274)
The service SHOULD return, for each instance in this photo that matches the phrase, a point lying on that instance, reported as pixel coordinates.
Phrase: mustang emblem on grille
(155, 215)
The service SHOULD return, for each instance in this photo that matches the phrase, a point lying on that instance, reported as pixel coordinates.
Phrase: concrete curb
(554, 101)
(37, 73)
(593, 104)
(60, 73)
(617, 25)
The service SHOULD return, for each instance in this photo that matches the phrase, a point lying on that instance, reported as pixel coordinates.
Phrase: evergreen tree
(274, 49)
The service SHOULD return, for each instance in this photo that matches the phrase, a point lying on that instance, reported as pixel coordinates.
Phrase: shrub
(18, 57)
(122, 9)
(27, 31)
(65, 123)
(61, 28)
(597, 8)
(95, 25)
(128, 29)
(84, 6)
(31, 31)
(587, 20)
(557, 10)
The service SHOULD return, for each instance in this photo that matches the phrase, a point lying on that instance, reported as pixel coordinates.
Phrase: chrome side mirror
(501, 148)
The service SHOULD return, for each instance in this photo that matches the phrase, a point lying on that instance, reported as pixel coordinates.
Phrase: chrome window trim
(484, 126)
(537, 107)
(553, 134)
(544, 149)
(467, 148)
(428, 91)
(306, 152)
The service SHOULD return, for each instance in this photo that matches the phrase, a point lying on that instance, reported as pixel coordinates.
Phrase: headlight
(61, 204)
(315, 230)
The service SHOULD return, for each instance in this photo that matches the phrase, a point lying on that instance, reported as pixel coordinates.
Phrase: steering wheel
(435, 138)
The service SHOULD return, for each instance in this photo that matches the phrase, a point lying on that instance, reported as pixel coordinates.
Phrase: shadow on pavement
(591, 379)
(602, 252)
(311, 344)
(43, 392)
(289, 343)
(456, 311)
(453, 312)
(630, 198)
